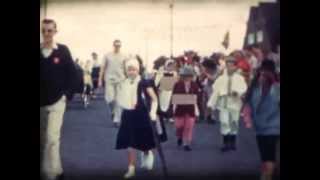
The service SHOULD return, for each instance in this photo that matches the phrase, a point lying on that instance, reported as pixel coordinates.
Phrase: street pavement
(88, 150)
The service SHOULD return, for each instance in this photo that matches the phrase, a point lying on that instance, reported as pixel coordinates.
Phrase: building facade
(263, 27)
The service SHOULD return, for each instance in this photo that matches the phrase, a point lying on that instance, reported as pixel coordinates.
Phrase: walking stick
(157, 141)
(159, 148)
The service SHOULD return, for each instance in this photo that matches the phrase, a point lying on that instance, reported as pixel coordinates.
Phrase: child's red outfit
(185, 115)
(245, 68)
(184, 127)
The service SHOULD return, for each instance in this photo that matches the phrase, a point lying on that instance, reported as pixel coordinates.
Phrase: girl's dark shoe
(225, 148)
(179, 142)
(187, 148)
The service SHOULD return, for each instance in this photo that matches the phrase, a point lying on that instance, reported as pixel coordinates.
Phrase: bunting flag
(226, 40)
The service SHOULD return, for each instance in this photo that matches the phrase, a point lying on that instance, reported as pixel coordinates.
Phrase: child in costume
(165, 108)
(185, 115)
(227, 98)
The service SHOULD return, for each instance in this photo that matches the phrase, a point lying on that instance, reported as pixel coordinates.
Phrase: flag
(226, 40)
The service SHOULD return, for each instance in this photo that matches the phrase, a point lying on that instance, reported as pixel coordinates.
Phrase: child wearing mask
(185, 114)
(165, 108)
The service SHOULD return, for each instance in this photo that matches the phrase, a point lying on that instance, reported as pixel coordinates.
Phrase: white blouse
(127, 96)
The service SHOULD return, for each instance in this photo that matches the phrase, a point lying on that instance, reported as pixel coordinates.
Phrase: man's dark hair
(196, 58)
(209, 63)
(94, 54)
(269, 65)
(116, 41)
(216, 56)
(248, 48)
(50, 21)
(160, 61)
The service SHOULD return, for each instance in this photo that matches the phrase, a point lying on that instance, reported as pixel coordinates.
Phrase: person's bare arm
(209, 76)
(102, 71)
(158, 77)
(154, 103)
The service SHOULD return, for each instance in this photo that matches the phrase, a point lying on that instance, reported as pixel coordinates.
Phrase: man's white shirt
(115, 66)
(46, 52)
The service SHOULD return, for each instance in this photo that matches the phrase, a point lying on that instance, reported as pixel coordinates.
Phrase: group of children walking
(172, 96)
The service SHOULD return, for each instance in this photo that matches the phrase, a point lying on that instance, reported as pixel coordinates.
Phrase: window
(260, 36)
(251, 39)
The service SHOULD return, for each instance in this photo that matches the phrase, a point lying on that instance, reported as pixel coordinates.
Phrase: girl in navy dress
(139, 101)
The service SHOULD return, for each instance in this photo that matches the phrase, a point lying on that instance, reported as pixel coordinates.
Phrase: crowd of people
(244, 85)
(221, 89)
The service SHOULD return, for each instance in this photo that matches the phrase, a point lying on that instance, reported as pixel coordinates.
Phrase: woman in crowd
(95, 73)
(263, 112)
(88, 84)
(205, 82)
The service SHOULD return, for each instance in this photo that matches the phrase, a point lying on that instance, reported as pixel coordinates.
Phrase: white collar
(136, 80)
(54, 45)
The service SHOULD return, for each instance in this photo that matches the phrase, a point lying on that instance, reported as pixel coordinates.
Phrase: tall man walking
(57, 72)
(112, 72)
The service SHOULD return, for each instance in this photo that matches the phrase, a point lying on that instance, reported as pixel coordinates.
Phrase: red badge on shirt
(56, 60)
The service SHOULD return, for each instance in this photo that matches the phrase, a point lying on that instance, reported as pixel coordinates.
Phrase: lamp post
(171, 27)
(45, 7)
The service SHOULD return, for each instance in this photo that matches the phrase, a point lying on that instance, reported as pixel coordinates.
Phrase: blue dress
(135, 129)
(266, 118)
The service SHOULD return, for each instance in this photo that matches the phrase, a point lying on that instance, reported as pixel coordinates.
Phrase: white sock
(131, 168)
(149, 160)
(185, 143)
(130, 173)
(143, 160)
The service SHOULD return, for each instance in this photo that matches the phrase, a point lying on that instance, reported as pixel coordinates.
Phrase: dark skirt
(168, 114)
(136, 131)
(267, 147)
(95, 83)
